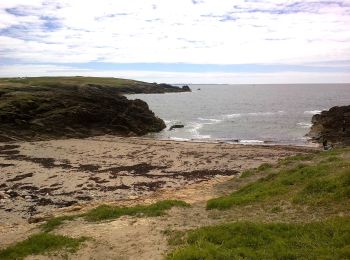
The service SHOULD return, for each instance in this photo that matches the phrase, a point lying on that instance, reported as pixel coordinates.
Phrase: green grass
(66, 81)
(248, 173)
(309, 179)
(105, 212)
(245, 240)
(174, 237)
(53, 223)
(40, 244)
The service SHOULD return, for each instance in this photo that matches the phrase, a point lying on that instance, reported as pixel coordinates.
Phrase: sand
(50, 178)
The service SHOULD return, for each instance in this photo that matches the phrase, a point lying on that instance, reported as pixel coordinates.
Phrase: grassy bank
(314, 186)
(245, 240)
(314, 180)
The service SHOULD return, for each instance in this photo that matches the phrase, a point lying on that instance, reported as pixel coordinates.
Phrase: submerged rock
(332, 126)
(176, 126)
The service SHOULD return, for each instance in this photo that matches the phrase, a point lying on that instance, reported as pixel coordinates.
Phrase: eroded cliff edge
(332, 126)
(75, 107)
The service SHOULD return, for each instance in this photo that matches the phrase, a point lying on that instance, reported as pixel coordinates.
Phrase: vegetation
(40, 244)
(310, 179)
(245, 240)
(53, 223)
(106, 212)
(310, 182)
(123, 85)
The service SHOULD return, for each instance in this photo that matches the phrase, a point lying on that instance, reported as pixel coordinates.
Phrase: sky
(182, 41)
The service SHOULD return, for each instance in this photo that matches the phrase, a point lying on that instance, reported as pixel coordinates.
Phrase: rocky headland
(332, 126)
(66, 107)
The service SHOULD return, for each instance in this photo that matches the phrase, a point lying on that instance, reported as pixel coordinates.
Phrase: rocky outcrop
(332, 126)
(186, 88)
(176, 126)
(59, 109)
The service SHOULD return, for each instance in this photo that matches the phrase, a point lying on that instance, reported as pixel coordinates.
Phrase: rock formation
(176, 126)
(186, 88)
(332, 126)
(42, 109)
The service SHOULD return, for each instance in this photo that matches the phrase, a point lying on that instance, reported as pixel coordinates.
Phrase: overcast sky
(182, 41)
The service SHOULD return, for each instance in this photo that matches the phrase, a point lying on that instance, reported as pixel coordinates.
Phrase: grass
(61, 81)
(245, 240)
(107, 212)
(175, 237)
(46, 242)
(305, 179)
(40, 244)
(53, 223)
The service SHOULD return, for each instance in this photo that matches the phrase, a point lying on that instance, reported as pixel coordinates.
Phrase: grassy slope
(313, 180)
(245, 240)
(39, 244)
(310, 182)
(47, 81)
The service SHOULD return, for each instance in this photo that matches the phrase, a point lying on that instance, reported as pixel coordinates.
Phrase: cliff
(67, 107)
(332, 125)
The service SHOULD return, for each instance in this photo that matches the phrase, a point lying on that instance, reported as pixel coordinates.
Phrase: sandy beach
(50, 178)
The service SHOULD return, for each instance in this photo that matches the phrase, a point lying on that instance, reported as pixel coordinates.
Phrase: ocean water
(275, 114)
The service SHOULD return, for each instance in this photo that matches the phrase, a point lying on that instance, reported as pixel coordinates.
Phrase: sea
(245, 114)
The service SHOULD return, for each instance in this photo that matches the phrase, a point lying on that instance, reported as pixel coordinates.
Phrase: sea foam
(312, 112)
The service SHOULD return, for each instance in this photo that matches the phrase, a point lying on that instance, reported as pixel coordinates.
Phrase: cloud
(183, 31)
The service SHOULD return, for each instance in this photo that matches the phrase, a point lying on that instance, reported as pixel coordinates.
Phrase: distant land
(39, 108)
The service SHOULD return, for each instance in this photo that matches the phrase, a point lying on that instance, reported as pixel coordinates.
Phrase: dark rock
(186, 88)
(44, 202)
(176, 126)
(50, 108)
(332, 126)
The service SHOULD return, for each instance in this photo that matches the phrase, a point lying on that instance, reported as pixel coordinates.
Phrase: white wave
(265, 113)
(253, 114)
(179, 139)
(213, 120)
(251, 141)
(312, 112)
(231, 116)
(202, 137)
(304, 124)
(194, 130)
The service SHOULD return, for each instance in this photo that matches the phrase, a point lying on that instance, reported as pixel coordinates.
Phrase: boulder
(186, 88)
(176, 126)
(332, 126)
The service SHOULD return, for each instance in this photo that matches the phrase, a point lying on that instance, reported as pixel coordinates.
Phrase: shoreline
(216, 141)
